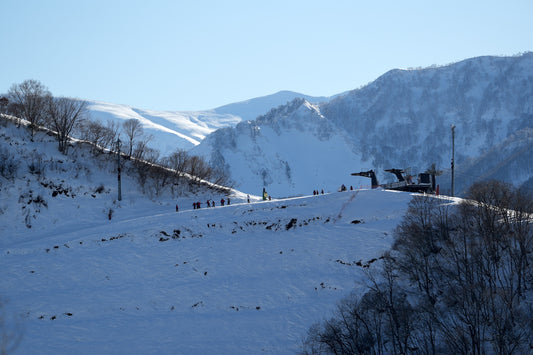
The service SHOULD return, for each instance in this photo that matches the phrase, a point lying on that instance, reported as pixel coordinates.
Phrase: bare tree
(14, 109)
(177, 161)
(93, 132)
(30, 98)
(133, 130)
(99, 134)
(64, 113)
(160, 178)
(198, 168)
(152, 155)
(220, 177)
(141, 150)
(111, 134)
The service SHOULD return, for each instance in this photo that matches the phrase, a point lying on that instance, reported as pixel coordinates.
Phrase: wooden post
(453, 159)
(118, 169)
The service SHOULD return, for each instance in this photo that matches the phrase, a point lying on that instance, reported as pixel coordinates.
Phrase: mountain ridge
(184, 129)
(403, 119)
(265, 103)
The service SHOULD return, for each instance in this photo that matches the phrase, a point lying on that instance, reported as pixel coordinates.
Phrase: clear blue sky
(189, 55)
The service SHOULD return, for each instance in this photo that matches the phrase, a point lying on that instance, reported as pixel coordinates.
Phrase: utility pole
(118, 169)
(453, 159)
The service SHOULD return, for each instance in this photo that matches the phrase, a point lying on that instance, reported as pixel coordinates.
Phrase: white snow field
(239, 279)
(246, 278)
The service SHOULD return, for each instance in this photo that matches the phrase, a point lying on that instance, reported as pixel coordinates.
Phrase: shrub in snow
(8, 164)
(36, 164)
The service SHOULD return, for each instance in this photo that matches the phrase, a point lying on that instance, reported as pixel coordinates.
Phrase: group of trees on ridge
(458, 280)
(68, 117)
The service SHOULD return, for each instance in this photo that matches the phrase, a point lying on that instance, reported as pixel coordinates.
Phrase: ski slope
(246, 278)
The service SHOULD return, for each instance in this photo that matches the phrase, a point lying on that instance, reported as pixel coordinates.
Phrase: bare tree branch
(64, 114)
(133, 130)
(30, 98)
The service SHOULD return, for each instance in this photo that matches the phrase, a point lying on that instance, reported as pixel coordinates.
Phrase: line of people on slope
(210, 203)
(266, 196)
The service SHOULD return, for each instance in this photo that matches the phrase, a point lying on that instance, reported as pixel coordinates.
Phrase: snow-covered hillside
(36, 181)
(401, 120)
(171, 130)
(185, 129)
(244, 278)
(291, 151)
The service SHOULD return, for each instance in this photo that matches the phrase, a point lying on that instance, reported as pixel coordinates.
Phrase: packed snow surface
(245, 278)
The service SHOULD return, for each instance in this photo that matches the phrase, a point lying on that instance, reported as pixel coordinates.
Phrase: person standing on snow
(177, 209)
(222, 202)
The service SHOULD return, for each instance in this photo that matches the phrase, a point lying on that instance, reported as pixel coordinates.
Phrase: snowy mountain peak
(314, 107)
(251, 109)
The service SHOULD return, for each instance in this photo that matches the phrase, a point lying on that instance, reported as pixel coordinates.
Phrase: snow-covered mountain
(401, 120)
(251, 109)
(83, 273)
(286, 151)
(171, 129)
(185, 129)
